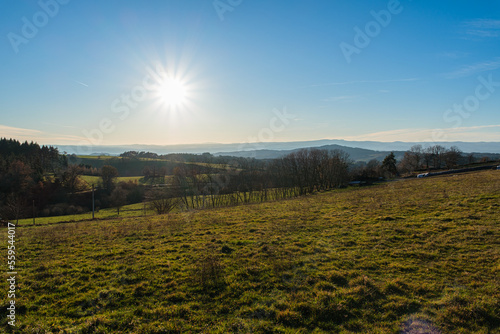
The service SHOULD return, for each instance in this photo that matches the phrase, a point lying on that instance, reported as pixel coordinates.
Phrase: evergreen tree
(389, 165)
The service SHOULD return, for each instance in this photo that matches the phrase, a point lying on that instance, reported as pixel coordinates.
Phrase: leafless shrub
(161, 201)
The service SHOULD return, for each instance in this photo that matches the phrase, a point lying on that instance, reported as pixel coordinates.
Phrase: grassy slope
(139, 179)
(365, 261)
(97, 179)
(133, 168)
(131, 210)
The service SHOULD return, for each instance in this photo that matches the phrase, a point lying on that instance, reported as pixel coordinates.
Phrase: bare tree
(146, 171)
(433, 155)
(161, 200)
(437, 153)
(13, 208)
(70, 178)
(470, 158)
(19, 177)
(428, 157)
(118, 198)
(108, 176)
(417, 153)
(310, 170)
(373, 169)
(452, 157)
(407, 165)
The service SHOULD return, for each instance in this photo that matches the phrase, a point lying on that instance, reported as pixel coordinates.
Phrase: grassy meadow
(419, 253)
(131, 210)
(98, 180)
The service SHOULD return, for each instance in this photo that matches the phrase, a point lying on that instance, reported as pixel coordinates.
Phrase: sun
(172, 92)
(174, 89)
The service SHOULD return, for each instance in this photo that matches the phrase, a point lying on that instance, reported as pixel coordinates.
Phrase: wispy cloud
(483, 28)
(363, 82)
(472, 133)
(342, 98)
(37, 136)
(81, 83)
(351, 98)
(453, 54)
(468, 70)
(60, 125)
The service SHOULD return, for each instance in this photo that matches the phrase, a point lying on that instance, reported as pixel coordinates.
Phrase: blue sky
(91, 72)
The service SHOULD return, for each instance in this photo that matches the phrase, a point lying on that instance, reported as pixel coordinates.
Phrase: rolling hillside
(356, 154)
(223, 149)
(383, 259)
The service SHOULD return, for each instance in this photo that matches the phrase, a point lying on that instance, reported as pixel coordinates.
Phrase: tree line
(33, 175)
(249, 180)
(24, 170)
(232, 181)
(29, 172)
(432, 157)
(418, 159)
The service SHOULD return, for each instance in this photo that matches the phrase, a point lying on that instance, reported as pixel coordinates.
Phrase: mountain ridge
(224, 149)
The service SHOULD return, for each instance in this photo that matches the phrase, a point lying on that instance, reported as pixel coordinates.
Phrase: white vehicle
(422, 175)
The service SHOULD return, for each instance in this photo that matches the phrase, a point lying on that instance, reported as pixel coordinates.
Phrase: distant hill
(226, 149)
(356, 154)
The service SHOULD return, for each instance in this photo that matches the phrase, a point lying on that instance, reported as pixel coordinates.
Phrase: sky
(121, 72)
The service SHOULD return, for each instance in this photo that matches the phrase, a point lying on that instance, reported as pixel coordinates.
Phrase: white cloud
(453, 55)
(468, 70)
(483, 28)
(342, 98)
(37, 136)
(363, 82)
(81, 83)
(472, 133)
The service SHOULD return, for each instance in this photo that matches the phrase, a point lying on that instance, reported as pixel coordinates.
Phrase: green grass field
(382, 259)
(96, 157)
(138, 179)
(97, 179)
(132, 210)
